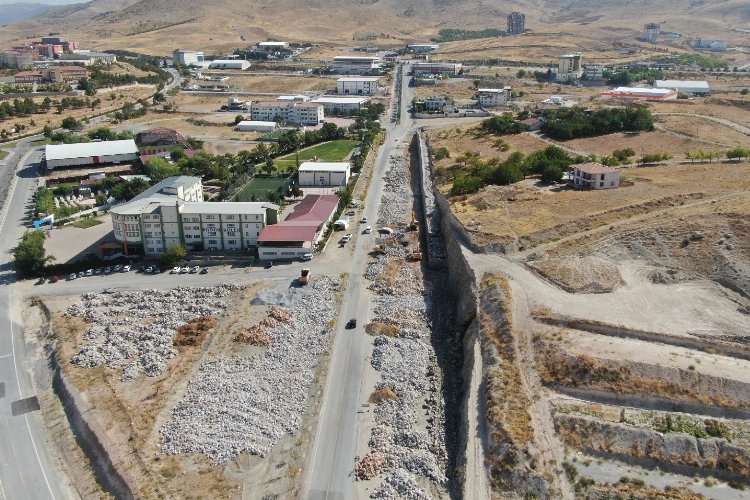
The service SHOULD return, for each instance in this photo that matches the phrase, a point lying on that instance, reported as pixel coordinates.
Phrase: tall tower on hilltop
(516, 22)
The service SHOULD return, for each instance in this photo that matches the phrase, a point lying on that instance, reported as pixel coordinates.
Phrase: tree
(521, 73)
(465, 185)
(501, 125)
(441, 153)
(268, 166)
(29, 256)
(173, 255)
(238, 119)
(159, 169)
(737, 153)
(70, 123)
(47, 131)
(127, 190)
(551, 174)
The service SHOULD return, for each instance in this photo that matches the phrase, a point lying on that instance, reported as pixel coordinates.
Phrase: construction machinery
(413, 224)
(416, 254)
(304, 277)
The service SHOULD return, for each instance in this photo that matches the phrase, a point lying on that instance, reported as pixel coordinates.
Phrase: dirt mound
(580, 274)
(195, 331)
(375, 328)
(369, 466)
(666, 276)
(256, 335)
(384, 394)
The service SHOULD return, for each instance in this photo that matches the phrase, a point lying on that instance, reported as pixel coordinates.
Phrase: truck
(304, 277)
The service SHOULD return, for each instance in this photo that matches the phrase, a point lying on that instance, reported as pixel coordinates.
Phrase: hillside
(13, 12)
(159, 27)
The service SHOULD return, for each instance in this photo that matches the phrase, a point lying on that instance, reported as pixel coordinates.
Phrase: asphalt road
(27, 467)
(330, 474)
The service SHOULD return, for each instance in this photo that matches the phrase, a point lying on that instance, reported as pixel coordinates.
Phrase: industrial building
(88, 58)
(651, 32)
(90, 153)
(173, 213)
(594, 176)
(490, 98)
(293, 98)
(696, 87)
(569, 67)
(324, 174)
(271, 46)
(187, 57)
(348, 104)
(300, 232)
(712, 45)
(298, 113)
(238, 64)
(516, 23)
(431, 68)
(358, 85)
(593, 72)
(421, 48)
(649, 94)
(356, 65)
(256, 126)
(55, 74)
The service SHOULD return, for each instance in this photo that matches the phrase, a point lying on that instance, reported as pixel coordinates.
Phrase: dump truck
(304, 277)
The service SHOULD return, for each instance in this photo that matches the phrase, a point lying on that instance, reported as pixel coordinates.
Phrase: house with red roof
(298, 234)
(593, 175)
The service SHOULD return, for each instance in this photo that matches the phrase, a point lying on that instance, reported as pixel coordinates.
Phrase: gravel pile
(245, 404)
(134, 331)
(395, 205)
(399, 485)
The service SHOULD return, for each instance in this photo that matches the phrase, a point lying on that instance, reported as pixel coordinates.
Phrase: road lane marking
(6, 355)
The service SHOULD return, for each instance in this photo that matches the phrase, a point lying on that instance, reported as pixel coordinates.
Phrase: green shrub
(466, 185)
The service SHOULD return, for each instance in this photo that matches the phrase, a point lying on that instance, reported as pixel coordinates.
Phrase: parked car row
(119, 268)
(187, 269)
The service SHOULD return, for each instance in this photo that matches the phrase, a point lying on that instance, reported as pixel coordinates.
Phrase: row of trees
(27, 106)
(502, 125)
(470, 173)
(572, 123)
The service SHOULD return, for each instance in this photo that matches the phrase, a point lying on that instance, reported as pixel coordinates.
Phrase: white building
(293, 98)
(356, 65)
(644, 93)
(90, 153)
(357, 85)
(490, 98)
(432, 68)
(187, 57)
(256, 126)
(87, 58)
(347, 104)
(593, 72)
(594, 176)
(713, 45)
(238, 64)
(271, 46)
(324, 174)
(173, 212)
(569, 67)
(420, 48)
(298, 113)
(436, 103)
(700, 87)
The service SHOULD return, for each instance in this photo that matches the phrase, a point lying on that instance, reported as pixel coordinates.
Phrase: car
(363, 220)
(126, 268)
(72, 276)
(354, 204)
(307, 256)
(175, 270)
(351, 213)
(98, 270)
(269, 264)
(55, 279)
(347, 237)
(117, 268)
(184, 270)
(351, 324)
(204, 270)
(194, 269)
(368, 229)
(107, 270)
(81, 274)
(149, 269)
(90, 272)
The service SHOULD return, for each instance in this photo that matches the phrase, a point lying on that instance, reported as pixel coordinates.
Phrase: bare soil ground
(280, 84)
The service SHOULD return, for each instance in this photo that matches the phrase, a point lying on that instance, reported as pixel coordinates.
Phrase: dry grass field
(279, 84)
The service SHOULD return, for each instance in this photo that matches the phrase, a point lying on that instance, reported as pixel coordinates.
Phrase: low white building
(293, 98)
(698, 87)
(432, 68)
(173, 213)
(347, 104)
(594, 176)
(187, 57)
(324, 174)
(356, 65)
(298, 113)
(645, 93)
(256, 126)
(419, 48)
(271, 46)
(87, 58)
(490, 98)
(357, 85)
(90, 153)
(238, 64)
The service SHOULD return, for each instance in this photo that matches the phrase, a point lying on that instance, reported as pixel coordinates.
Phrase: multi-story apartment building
(490, 98)
(516, 22)
(21, 59)
(173, 213)
(569, 67)
(187, 57)
(431, 68)
(298, 113)
(356, 65)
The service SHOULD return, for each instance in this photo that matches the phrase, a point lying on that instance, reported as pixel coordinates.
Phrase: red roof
(315, 207)
(286, 231)
(594, 168)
